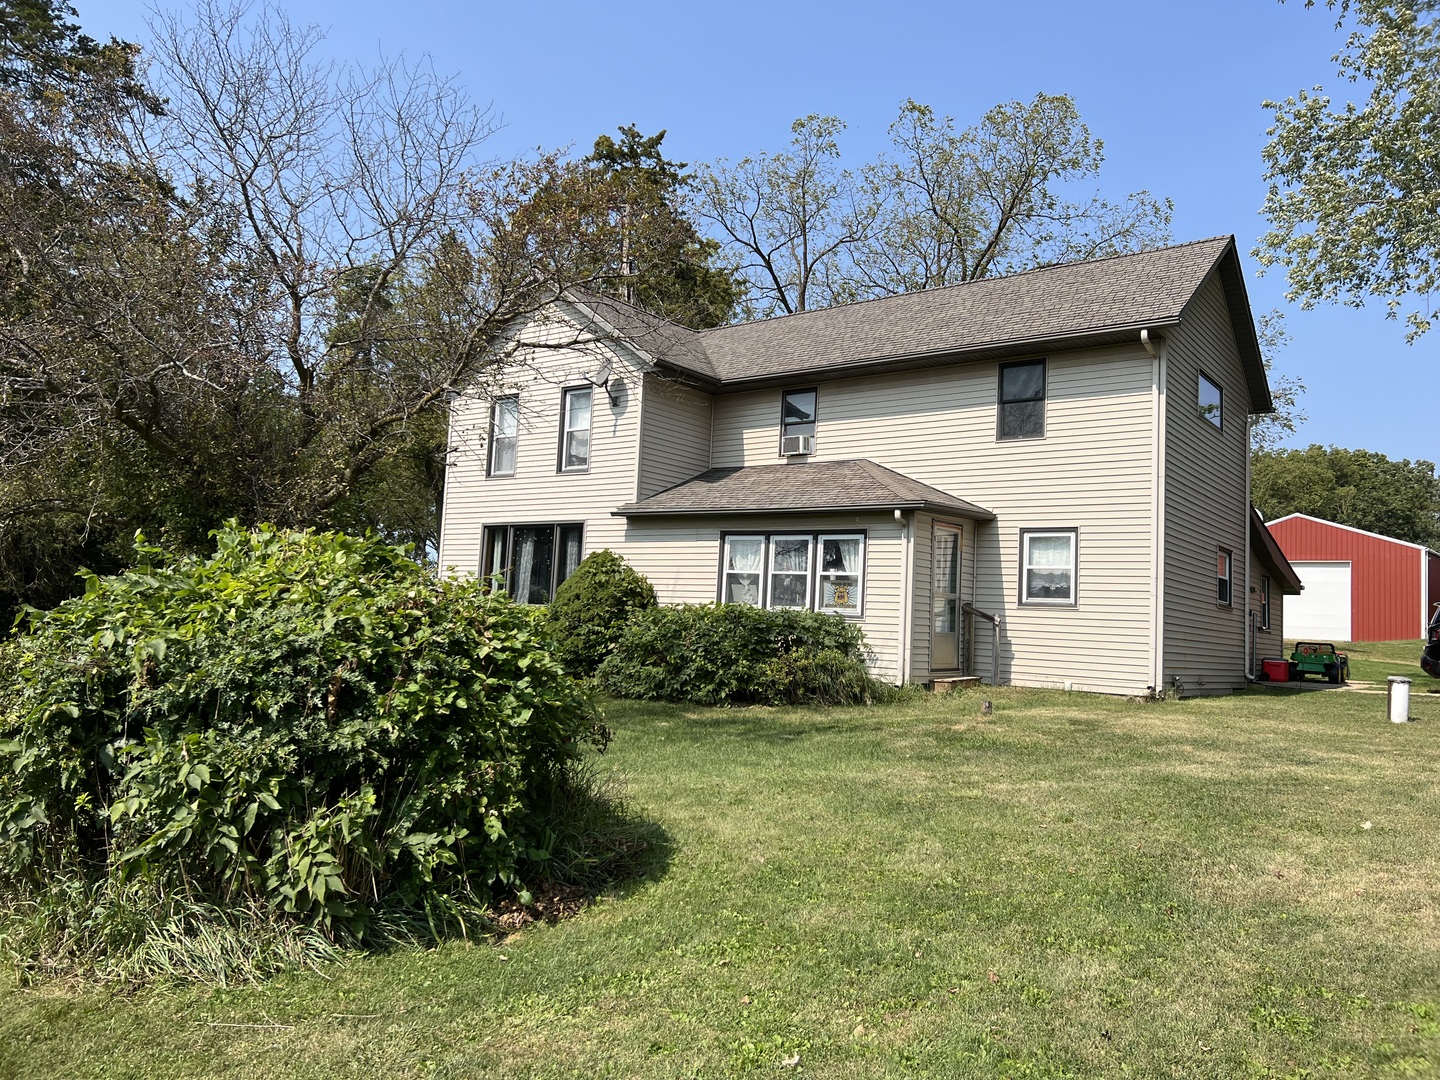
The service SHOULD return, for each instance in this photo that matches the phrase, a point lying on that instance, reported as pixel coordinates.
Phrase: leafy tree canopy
(617, 220)
(1359, 488)
(952, 204)
(1354, 199)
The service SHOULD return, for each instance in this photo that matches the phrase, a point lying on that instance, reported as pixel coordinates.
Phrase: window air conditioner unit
(797, 445)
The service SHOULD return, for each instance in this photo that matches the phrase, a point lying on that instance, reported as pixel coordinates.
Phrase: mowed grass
(1074, 886)
(1375, 661)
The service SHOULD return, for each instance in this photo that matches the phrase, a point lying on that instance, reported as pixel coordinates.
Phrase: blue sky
(1173, 89)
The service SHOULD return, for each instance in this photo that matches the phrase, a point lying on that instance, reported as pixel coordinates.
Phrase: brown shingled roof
(1100, 302)
(810, 487)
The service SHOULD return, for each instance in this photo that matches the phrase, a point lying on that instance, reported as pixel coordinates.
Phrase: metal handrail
(994, 621)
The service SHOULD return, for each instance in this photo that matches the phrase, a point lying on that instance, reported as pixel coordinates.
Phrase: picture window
(530, 561)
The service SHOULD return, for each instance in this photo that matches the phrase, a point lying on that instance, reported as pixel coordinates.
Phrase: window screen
(1022, 400)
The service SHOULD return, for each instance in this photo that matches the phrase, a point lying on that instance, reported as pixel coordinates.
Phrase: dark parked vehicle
(1430, 658)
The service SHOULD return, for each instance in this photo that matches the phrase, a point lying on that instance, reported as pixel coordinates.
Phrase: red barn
(1359, 586)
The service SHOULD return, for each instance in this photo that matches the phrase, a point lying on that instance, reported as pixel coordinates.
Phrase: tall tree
(617, 218)
(1359, 488)
(790, 219)
(254, 304)
(951, 205)
(1354, 198)
(1268, 429)
(958, 205)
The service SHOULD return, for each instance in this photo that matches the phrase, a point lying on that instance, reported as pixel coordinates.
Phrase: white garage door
(1322, 611)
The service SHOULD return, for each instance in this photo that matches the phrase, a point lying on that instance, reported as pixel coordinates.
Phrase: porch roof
(811, 487)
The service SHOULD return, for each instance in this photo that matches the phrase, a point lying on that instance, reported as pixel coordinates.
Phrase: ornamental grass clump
(734, 654)
(304, 740)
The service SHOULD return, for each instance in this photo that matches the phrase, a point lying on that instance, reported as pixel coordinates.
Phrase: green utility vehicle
(1319, 658)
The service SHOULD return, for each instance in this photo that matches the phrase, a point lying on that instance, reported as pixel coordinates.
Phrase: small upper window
(1022, 401)
(1265, 602)
(504, 430)
(575, 430)
(1211, 400)
(797, 422)
(1047, 566)
(1222, 577)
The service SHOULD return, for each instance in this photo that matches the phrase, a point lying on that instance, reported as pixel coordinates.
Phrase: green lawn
(1375, 661)
(1074, 886)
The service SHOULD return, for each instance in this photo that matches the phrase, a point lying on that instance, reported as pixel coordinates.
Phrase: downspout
(1157, 522)
(907, 592)
(1248, 627)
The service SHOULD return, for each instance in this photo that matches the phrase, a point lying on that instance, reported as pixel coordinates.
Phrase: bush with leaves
(732, 654)
(593, 606)
(306, 726)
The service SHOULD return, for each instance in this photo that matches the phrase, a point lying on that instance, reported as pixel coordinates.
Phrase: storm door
(945, 589)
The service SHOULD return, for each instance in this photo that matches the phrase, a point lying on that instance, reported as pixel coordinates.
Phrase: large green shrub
(309, 727)
(716, 654)
(593, 606)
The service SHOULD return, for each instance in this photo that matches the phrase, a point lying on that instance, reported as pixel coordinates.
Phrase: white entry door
(1322, 611)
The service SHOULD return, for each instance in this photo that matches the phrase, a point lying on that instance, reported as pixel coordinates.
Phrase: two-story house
(1041, 476)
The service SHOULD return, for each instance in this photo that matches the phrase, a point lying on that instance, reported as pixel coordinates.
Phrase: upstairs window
(1047, 566)
(797, 422)
(1211, 401)
(504, 431)
(1222, 577)
(530, 561)
(575, 429)
(1022, 401)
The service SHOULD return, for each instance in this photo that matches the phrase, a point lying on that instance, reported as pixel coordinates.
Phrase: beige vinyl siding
(538, 493)
(681, 557)
(1268, 643)
(674, 434)
(1205, 501)
(1091, 471)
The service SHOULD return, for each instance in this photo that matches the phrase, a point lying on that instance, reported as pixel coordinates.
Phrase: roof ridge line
(960, 284)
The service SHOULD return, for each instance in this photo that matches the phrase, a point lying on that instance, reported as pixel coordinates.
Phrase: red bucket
(1276, 670)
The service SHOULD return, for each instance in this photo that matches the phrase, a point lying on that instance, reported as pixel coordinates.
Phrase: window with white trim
(504, 433)
(842, 562)
(575, 429)
(530, 561)
(809, 571)
(790, 571)
(1047, 566)
(1223, 567)
(743, 561)
(1211, 401)
(1265, 602)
